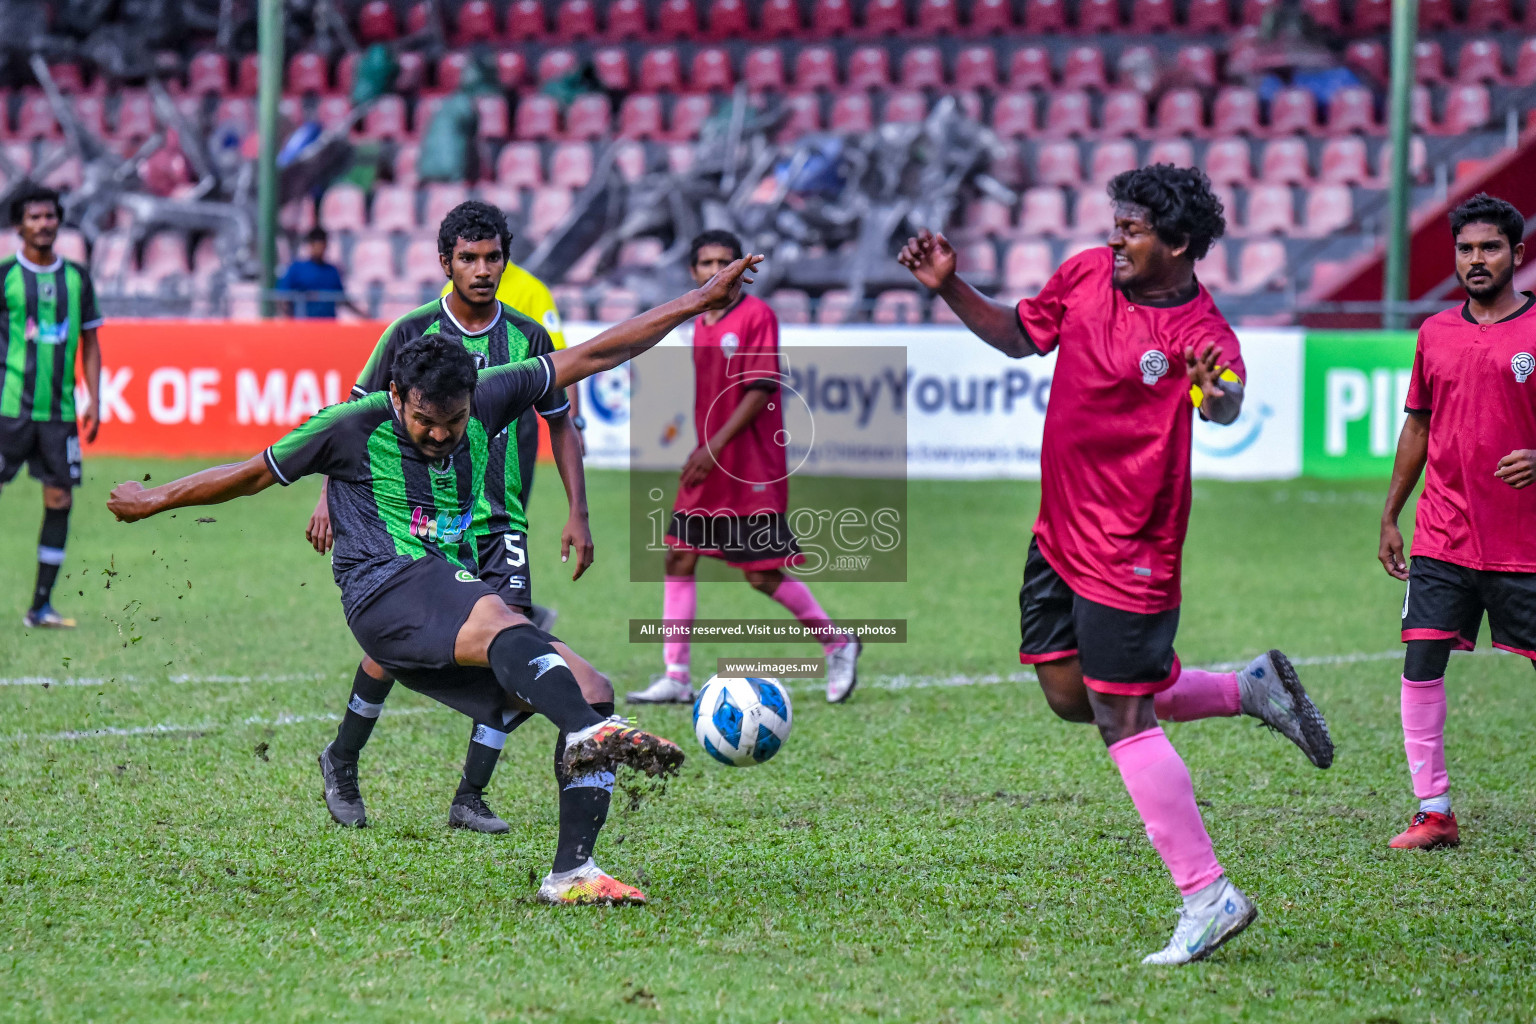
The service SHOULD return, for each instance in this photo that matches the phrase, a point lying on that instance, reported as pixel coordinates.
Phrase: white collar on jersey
(52, 268)
(443, 302)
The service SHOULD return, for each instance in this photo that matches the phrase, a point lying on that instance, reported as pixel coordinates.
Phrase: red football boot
(1430, 830)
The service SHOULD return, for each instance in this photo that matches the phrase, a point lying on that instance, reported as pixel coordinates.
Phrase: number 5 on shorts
(516, 556)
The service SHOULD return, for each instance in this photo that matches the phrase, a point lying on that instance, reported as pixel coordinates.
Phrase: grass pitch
(940, 849)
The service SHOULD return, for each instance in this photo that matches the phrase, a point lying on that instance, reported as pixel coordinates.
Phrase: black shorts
(1446, 601)
(757, 542)
(1125, 653)
(51, 451)
(504, 568)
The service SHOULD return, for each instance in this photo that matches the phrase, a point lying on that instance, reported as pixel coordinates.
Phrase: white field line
(896, 682)
(49, 681)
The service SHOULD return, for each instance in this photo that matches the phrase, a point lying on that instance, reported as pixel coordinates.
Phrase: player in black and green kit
(409, 471)
(48, 316)
(472, 241)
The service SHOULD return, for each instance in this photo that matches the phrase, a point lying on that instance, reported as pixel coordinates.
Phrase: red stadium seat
(570, 166)
(1344, 161)
(520, 165)
(1084, 69)
(885, 17)
(386, 119)
(413, 72)
(1148, 16)
(332, 111)
(1013, 115)
(1229, 162)
(990, 217)
(1261, 266)
(1058, 163)
(1045, 17)
(1480, 61)
(1326, 13)
(1369, 57)
(491, 120)
(922, 67)
(575, 20)
(904, 106)
(450, 71)
(728, 19)
(1134, 59)
(426, 109)
(557, 64)
(442, 196)
(1330, 210)
(937, 18)
(1043, 212)
(660, 71)
(1428, 61)
(536, 117)
(780, 19)
(1110, 158)
(248, 76)
(1490, 15)
(91, 111)
(1027, 266)
(35, 119)
(417, 16)
(677, 19)
(1467, 108)
(1271, 210)
(1352, 110)
(852, 112)
(1422, 115)
(1286, 162)
(1124, 113)
(588, 117)
(611, 66)
(1293, 110)
(688, 116)
(1098, 16)
(550, 206)
(1180, 112)
(804, 116)
(477, 23)
(816, 68)
(237, 112)
(629, 158)
(1525, 62)
(1068, 112)
(836, 307)
(897, 306)
(764, 69)
(1418, 161)
(1094, 215)
(790, 305)
(376, 22)
(1252, 12)
(1373, 16)
(525, 21)
(1436, 15)
(346, 73)
(1328, 273)
(627, 20)
(868, 68)
(1199, 63)
(1236, 111)
(1030, 68)
(1212, 269)
(711, 71)
(208, 72)
(1177, 152)
(394, 208)
(640, 117)
(1214, 16)
(991, 17)
(830, 18)
(135, 115)
(976, 68)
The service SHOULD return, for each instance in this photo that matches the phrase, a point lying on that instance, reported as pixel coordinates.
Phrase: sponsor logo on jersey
(465, 576)
(440, 529)
(1153, 366)
(1524, 364)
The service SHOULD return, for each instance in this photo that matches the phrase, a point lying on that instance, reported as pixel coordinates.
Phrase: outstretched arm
(622, 342)
(932, 261)
(1412, 453)
(130, 501)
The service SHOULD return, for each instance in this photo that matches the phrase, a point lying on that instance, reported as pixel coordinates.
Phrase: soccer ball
(742, 722)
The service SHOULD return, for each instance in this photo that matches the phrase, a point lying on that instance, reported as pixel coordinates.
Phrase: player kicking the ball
(1099, 606)
(1471, 406)
(734, 492)
(408, 470)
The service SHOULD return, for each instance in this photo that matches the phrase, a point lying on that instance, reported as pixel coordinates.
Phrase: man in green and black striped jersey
(472, 244)
(409, 472)
(48, 316)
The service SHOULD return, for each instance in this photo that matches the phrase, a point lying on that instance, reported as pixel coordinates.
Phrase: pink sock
(679, 601)
(797, 597)
(1159, 785)
(1199, 694)
(1424, 736)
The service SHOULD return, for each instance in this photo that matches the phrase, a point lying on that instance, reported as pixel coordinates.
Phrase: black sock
(528, 668)
(363, 709)
(583, 808)
(485, 743)
(50, 553)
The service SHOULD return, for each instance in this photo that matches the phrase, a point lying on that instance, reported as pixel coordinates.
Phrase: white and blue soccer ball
(742, 722)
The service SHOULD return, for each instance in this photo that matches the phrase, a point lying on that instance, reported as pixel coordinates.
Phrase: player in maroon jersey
(734, 495)
(1099, 606)
(1471, 407)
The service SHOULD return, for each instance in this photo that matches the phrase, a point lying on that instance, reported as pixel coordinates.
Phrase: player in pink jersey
(1141, 347)
(1471, 407)
(734, 495)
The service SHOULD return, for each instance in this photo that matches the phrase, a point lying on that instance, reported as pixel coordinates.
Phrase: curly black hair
(436, 368)
(31, 192)
(1486, 209)
(714, 236)
(473, 221)
(1180, 202)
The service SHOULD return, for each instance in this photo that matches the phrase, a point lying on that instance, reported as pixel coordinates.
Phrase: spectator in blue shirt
(312, 288)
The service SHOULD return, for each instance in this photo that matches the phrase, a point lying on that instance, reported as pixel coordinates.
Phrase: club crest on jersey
(442, 467)
(1153, 366)
(440, 529)
(1524, 364)
(729, 343)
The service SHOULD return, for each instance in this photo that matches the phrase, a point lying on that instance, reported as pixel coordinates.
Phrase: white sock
(1202, 900)
(1439, 804)
(559, 878)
